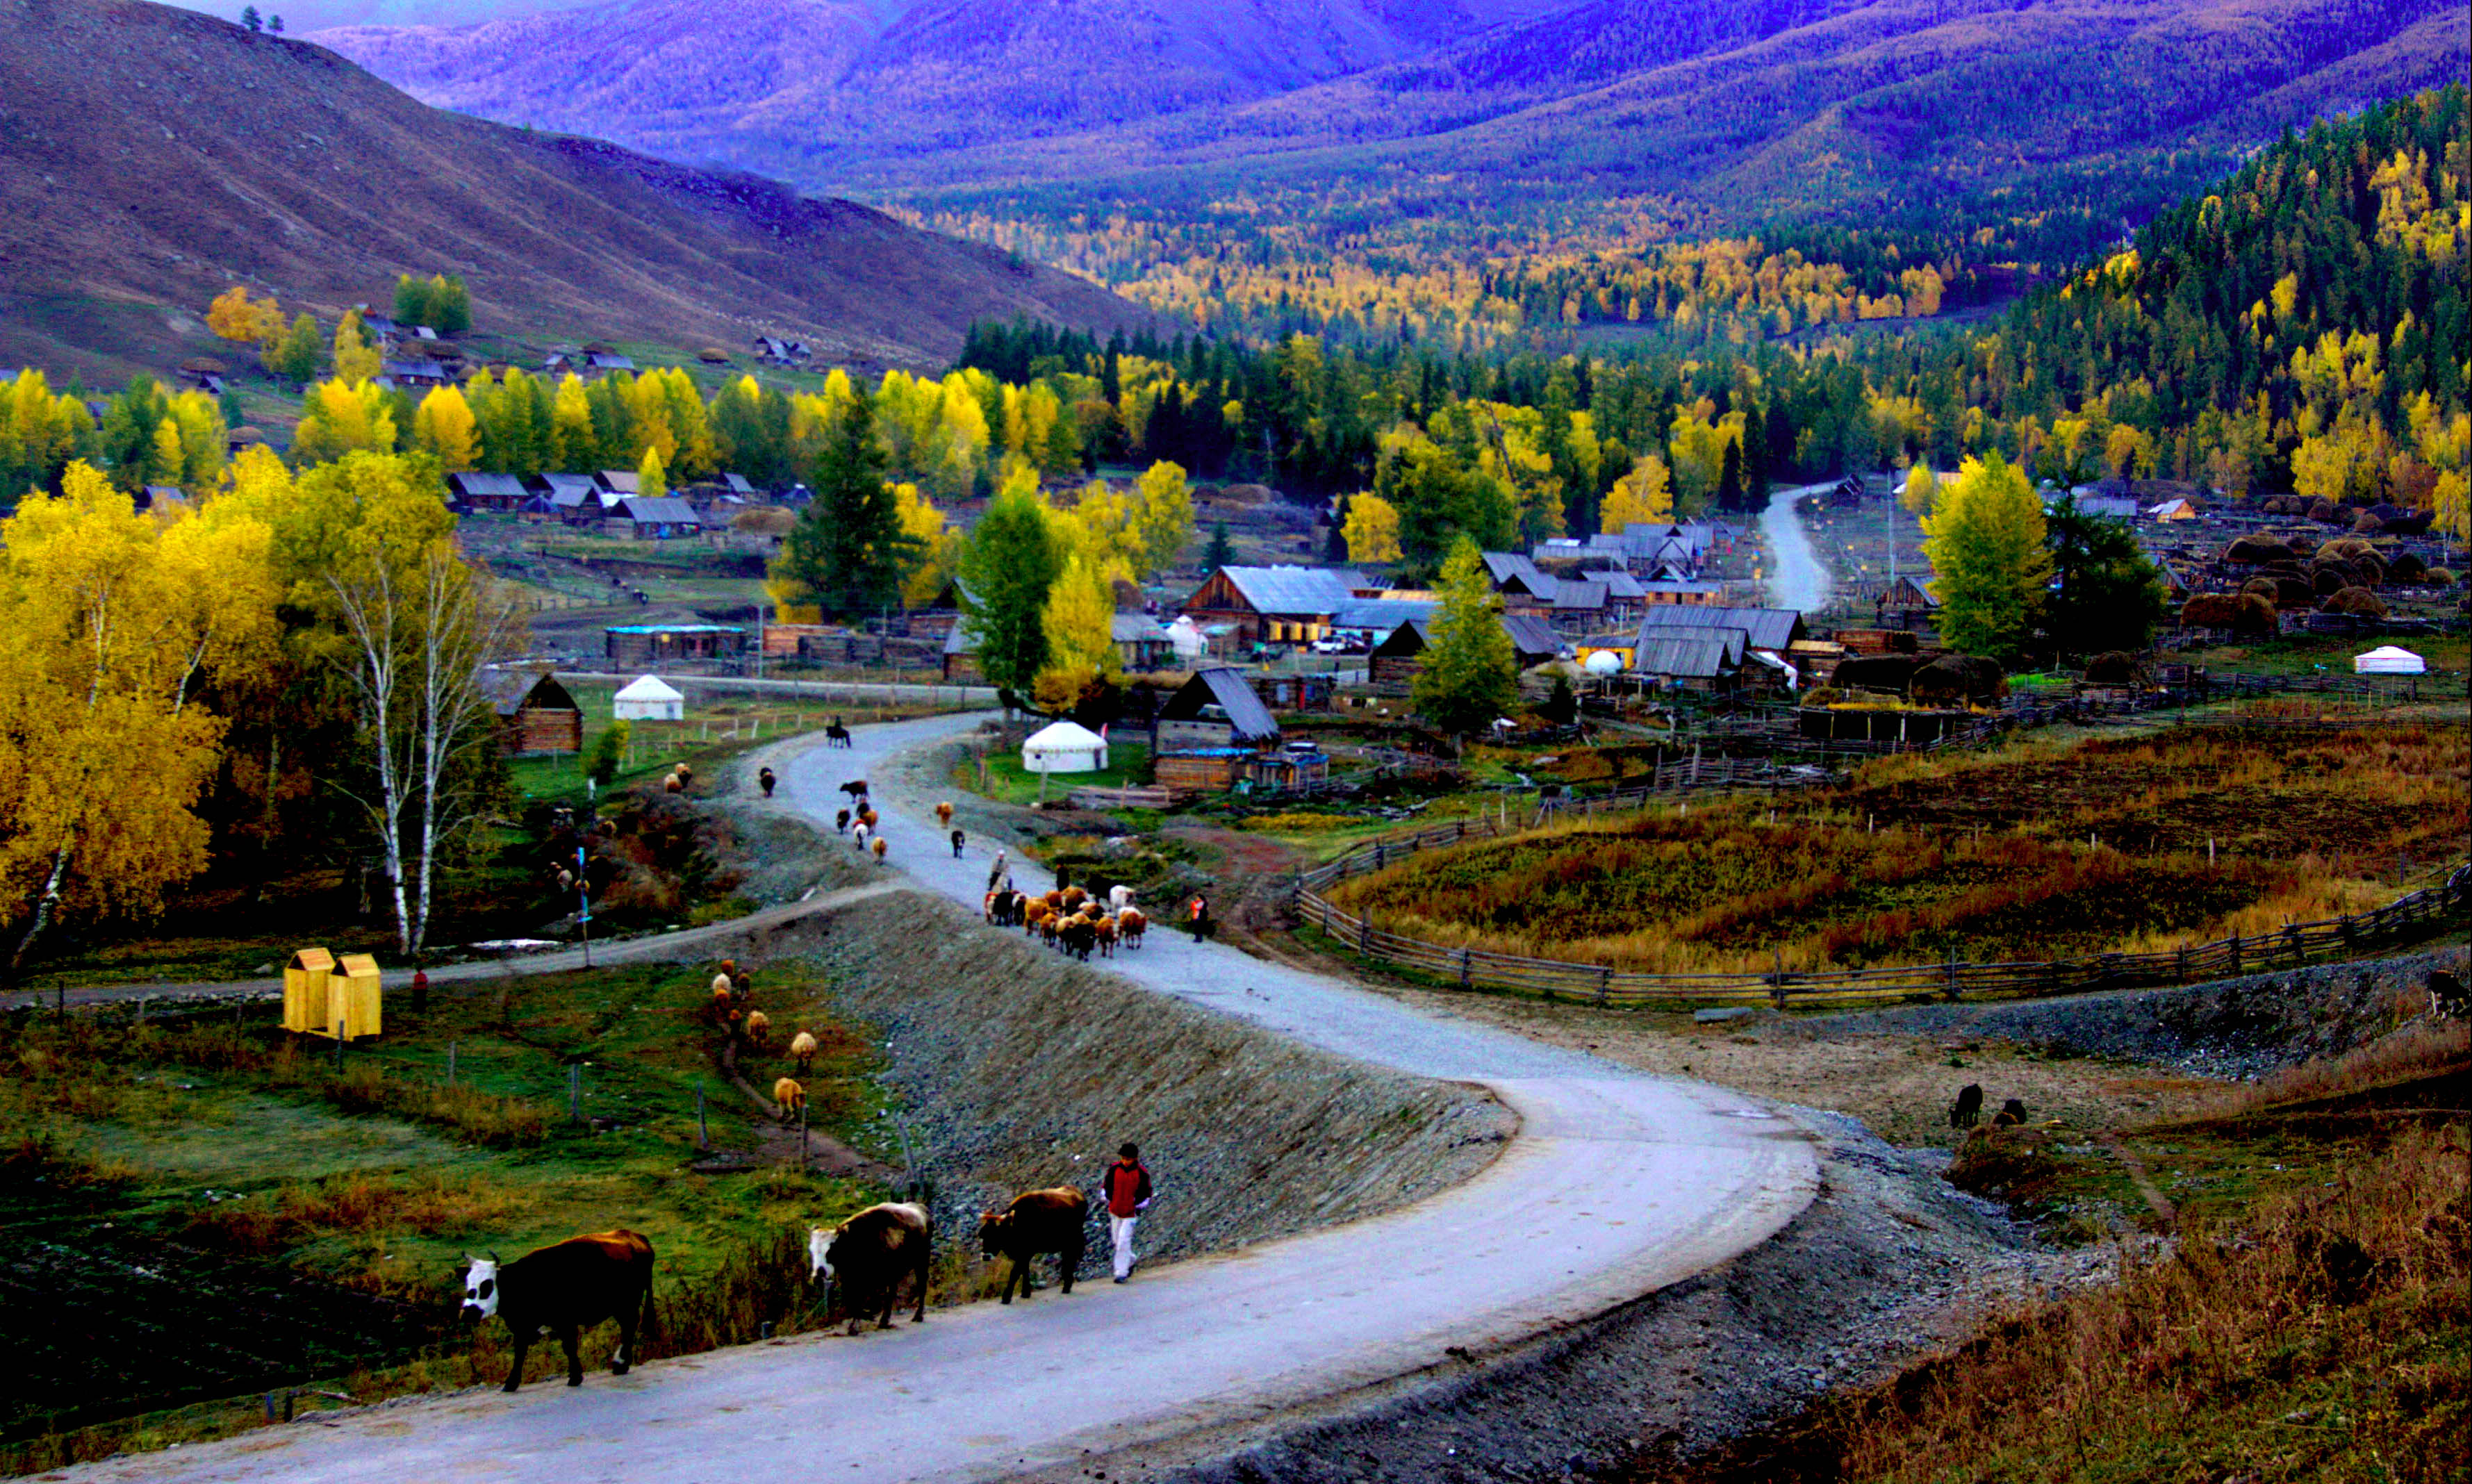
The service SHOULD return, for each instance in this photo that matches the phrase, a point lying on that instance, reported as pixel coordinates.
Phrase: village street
(1616, 1184)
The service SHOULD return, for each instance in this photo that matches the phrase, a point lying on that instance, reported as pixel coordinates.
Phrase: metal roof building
(1765, 628)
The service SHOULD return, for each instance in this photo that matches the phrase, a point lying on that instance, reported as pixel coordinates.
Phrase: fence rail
(2410, 916)
(1140, 796)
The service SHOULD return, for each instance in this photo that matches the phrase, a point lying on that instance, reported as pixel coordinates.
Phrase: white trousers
(1120, 1230)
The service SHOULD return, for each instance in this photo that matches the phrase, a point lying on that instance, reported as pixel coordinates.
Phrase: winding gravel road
(1617, 1184)
(1798, 579)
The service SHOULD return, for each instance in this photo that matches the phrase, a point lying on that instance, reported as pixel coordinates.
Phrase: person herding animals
(996, 872)
(958, 840)
(1198, 919)
(1127, 1187)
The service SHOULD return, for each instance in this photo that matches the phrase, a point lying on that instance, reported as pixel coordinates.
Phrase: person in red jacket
(1126, 1185)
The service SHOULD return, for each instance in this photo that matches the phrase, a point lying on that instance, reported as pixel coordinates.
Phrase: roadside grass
(2314, 1334)
(238, 1145)
(2043, 848)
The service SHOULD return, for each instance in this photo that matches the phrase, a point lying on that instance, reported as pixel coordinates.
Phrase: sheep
(721, 985)
(944, 815)
(790, 1095)
(802, 1050)
(877, 846)
(758, 1026)
(1130, 924)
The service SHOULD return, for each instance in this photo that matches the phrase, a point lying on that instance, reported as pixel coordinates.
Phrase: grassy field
(1007, 781)
(251, 1160)
(2047, 847)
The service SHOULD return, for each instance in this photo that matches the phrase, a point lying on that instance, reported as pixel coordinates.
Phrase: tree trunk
(44, 906)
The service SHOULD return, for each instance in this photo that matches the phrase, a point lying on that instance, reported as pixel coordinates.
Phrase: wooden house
(1216, 708)
(489, 491)
(1523, 585)
(658, 520)
(1142, 645)
(1396, 660)
(646, 646)
(1690, 658)
(536, 715)
(1277, 605)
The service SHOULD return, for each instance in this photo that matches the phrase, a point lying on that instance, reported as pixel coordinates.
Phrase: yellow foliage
(443, 425)
(1373, 529)
(356, 361)
(236, 317)
(1644, 496)
(340, 417)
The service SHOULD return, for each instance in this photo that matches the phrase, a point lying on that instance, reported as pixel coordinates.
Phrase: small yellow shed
(304, 991)
(352, 991)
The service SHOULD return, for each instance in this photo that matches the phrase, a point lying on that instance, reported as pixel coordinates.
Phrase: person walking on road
(1126, 1185)
(996, 872)
(958, 840)
(1198, 919)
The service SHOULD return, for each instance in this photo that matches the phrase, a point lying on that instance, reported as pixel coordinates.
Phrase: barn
(536, 715)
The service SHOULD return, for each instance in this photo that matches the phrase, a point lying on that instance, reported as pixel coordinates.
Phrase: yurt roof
(1066, 737)
(651, 687)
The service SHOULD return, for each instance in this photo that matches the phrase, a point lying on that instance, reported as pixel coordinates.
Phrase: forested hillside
(1372, 169)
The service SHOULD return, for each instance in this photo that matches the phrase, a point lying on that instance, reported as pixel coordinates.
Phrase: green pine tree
(1222, 551)
(1470, 673)
(1006, 568)
(848, 553)
(2107, 594)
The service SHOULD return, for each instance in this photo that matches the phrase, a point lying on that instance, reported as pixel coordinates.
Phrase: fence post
(574, 1094)
(450, 1063)
(2236, 959)
(703, 1135)
(2181, 954)
(339, 1045)
(1604, 984)
(1952, 974)
(1464, 969)
(1365, 933)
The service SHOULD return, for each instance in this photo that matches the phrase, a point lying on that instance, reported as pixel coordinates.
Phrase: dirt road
(1617, 1184)
(1798, 579)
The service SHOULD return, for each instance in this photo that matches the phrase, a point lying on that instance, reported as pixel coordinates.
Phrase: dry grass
(2044, 850)
(2322, 1336)
(2422, 1052)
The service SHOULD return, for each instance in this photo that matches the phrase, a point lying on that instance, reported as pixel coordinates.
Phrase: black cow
(563, 1290)
(867, 1256)
(1052, 1220)
(2012, 1114)
(1968, 1107)
(764, 776)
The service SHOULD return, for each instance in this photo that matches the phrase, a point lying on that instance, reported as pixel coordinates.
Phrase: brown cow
(758, 1026)
(867, 1256)
(876, 845)
(1052, 1220)
(944, 815)
(565, 1289)
(1130, 924)
(802, 1050)
(789, 1096)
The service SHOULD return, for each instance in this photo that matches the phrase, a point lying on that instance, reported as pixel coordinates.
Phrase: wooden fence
(1140, 796)
(2413, 915)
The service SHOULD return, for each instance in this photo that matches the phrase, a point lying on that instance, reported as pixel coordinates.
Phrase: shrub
(608, 751)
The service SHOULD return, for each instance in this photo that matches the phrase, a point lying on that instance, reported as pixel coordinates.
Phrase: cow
(867, 1256)
(1119, 897)
(673, 784)
(840, 822)
(565, 1289)
(1968, 1107)
(789, 1096)
(1052, 1220)
(859, 833)
(1106, 930)
(764, 777)
(1076, 937)
(1130, 924)
(944, 815)
(2012, 1114)
(856, 788)
(802, 1050)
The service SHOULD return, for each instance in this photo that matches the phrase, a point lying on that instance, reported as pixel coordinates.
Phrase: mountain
(753, 79)
(154, 155)
(1491, 117)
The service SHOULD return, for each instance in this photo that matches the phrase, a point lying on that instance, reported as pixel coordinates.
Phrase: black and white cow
(565, 1289)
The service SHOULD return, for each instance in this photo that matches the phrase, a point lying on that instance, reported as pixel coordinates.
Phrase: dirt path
(1623, 1184)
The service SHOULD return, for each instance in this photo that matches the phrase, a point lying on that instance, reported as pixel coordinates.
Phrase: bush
(608, 749)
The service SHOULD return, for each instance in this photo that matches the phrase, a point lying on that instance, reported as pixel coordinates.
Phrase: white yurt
(1065, 748)
(648, 699)
(1187, 639)
(2388, 659)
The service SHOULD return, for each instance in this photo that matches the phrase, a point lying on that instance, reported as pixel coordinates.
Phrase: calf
(1052, 1220)
(1130, 924)
(867, 1256)
(1968, 1107)
(564, 1290)
(2013, 1114)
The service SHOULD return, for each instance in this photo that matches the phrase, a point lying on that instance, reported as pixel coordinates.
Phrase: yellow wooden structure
(304, 991)
(318, 992)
